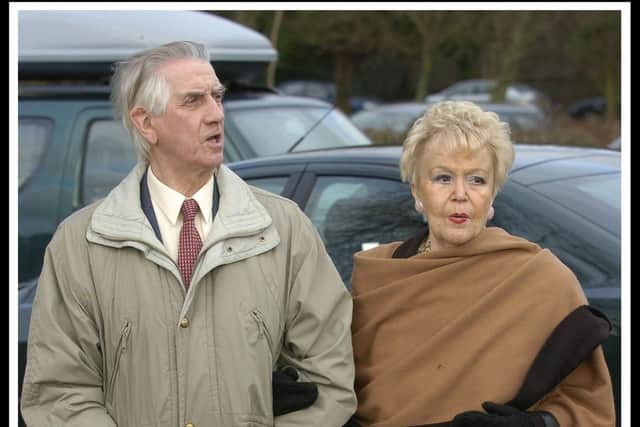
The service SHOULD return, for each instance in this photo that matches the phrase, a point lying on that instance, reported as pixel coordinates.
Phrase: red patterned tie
(190, 242)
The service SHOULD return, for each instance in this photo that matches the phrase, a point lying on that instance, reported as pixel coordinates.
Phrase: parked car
(589, 108)
(389, 123)
(322, 90)
(479, 90)
(68, 134)
(83, 44)
(615, 144)
(566, 199)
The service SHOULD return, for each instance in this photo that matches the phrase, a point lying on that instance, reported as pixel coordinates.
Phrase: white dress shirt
(167, 204)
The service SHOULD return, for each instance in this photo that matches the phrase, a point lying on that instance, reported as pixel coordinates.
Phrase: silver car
(479, 90)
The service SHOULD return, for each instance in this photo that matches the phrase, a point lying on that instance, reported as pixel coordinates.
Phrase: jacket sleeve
(63, 377)
(584, 397)
(317, 338)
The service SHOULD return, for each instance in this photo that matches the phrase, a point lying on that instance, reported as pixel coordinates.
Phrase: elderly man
(171, 301)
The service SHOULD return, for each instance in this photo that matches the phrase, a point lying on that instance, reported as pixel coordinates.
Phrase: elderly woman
(452, 323)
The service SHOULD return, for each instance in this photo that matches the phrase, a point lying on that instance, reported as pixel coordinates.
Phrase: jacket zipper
(257, 316)
(122, 347)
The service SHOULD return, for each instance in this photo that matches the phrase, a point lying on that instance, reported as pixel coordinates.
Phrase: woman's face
(456, 192)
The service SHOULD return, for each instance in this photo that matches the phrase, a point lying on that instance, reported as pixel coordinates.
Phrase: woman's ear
(418, 203)
(142, 121)
(490, 213)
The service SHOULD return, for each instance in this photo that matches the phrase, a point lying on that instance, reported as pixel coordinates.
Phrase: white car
(479, 90)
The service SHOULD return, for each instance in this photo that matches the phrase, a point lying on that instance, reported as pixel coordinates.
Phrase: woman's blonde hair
(459, 126)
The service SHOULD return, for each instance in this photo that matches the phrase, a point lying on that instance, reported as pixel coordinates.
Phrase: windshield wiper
(304, 135)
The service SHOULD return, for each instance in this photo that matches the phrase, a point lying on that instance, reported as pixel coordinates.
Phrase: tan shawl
(439, 333)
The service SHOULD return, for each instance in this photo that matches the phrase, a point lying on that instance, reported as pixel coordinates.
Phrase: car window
(458, 88)
(276, 130)
(594, 197)
(590, 252)
(34, 135)
(317, 90)
(521, 120)
(606, 189)
(109, 157)
(484, 86)
(353, 213)
(272, 184)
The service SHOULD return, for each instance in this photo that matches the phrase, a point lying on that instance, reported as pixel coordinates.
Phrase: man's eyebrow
(193, 92)
(217, 89)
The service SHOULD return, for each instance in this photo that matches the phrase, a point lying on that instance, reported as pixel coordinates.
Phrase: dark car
(566, 199)
(589, 108)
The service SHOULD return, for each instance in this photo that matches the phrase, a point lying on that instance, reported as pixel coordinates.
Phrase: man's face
(190, 133)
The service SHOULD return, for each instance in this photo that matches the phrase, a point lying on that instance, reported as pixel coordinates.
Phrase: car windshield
(275, 130)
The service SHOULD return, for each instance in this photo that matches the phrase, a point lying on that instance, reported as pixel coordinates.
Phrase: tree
(273, 36)
(430, 27)
(346, 36)
(595, 44)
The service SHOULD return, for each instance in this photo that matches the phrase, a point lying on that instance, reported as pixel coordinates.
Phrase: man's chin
(217, 162)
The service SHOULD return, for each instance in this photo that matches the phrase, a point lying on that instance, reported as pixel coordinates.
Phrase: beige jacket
(116, 341)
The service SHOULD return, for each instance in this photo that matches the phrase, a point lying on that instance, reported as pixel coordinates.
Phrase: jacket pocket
(120, 349)
(257, 316)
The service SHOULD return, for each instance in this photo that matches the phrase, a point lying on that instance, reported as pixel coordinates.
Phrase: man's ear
(142, 121)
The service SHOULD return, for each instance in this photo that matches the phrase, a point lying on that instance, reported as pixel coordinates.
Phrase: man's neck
(185, 183)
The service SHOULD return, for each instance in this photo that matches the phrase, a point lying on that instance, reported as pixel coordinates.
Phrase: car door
(591, 252)
(353, 207)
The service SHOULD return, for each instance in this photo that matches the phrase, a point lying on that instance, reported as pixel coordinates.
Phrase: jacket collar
(410, 247)
(147, 205)
(126, 216)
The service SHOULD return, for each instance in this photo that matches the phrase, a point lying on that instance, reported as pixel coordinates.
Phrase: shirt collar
(170, 201)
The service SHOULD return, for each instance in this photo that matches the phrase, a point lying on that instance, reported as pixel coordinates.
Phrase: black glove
(503, 416)
(290, 395)
(352, 423)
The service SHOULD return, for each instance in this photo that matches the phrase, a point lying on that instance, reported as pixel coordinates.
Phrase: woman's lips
(458, 218)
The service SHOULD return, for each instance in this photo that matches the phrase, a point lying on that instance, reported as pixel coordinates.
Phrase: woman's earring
(490, 213)
(419, 207)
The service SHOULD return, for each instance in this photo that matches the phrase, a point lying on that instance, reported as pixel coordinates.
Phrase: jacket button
(184, 323)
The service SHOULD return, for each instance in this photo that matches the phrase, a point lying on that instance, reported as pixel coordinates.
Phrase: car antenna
(304, 135)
